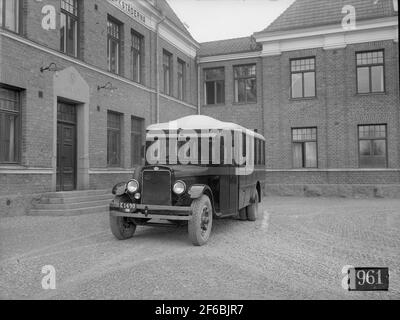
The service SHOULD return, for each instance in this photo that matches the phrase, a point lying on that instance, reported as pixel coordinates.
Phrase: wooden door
(66, 147)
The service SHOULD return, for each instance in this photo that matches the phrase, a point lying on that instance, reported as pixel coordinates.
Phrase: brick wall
(336, 111)
(247, 115)
(35, 47)
(18, 191)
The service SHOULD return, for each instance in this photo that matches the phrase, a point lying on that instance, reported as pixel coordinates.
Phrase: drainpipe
(262, 96)
(157, 70)
(198, 87)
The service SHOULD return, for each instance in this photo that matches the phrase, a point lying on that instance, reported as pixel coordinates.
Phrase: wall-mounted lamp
(107, 86)
(51, 67)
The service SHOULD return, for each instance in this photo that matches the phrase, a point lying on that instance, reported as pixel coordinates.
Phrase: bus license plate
(129, 206)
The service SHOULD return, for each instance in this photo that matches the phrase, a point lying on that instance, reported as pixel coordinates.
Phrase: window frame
(215, 88)
(303, 149)
(110, 37)
(120, 130)
(302, 73)
(245, 78)
(141, 55)
(370, 73)
(75, 18)
(18, 129)
(166, 53)
(373, 139)
(19, 17)
(181, 79)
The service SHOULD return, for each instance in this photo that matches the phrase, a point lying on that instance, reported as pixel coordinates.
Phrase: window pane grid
(9, 126)
(113, 29)
(113, 46)
(113, 139)
(70, 6)
(372, 132)
(248, 71)
(370, 72)
(181, 80)
(137, 42)
(114, 121)
(303, 78)
(372, 146)
(167, 57)
(214, 74)
(9, 100)
(181, 67)
(300, 65)
(245, 83)
(137, 48)
(304, 148)
(9, 15)
(305, 134)
(370, 58)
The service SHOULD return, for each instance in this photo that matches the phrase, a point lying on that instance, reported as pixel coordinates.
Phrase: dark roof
(220, 47)
(165, 8)
(314, 13)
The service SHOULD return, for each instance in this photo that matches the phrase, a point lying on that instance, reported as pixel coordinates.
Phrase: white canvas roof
(199, 122)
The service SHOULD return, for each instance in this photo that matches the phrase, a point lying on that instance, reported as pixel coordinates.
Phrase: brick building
(324, 93)
(80, 80)
(79, 83)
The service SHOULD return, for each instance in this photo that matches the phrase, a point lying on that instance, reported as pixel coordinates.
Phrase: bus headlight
(179, 187)
(132, 186)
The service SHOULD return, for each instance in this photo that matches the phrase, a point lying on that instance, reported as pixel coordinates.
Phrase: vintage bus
(197, 169)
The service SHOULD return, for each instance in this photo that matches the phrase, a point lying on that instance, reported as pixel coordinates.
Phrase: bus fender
(197, 190)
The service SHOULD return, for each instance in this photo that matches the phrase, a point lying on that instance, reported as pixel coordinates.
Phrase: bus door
(229, 194)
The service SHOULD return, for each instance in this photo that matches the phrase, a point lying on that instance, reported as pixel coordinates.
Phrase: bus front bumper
(143, 211)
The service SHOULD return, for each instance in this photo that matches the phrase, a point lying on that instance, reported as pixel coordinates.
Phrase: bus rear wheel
(252, 210)
(200, 225)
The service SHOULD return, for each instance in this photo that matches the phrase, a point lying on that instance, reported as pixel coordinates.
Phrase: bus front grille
(156, 187)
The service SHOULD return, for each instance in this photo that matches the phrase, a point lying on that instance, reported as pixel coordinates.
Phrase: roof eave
(264, 36)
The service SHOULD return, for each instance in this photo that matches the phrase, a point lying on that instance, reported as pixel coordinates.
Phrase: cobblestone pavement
(295, 250)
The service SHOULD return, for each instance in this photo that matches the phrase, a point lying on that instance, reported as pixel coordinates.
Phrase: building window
(137, 137)
(113, 46)
(69, 27)
(370, 72)
(245, 83)
(10, 110)
(303, 78)
(181, 79)
(113, 139)
(10, 15)
(304, 148)
(214, 86)
(137, 49)
(167, 62)
(372, 146)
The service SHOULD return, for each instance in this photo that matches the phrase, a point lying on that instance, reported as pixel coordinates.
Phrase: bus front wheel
(122, 228)
(252, 210)
(200, 225)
